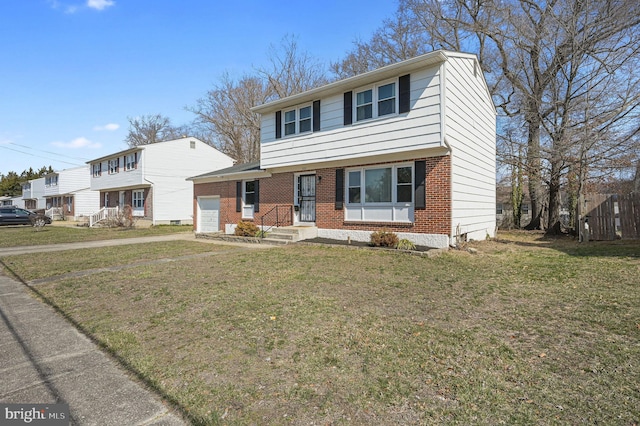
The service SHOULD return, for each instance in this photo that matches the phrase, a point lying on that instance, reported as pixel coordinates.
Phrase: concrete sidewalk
(45, 360)
(9, 251)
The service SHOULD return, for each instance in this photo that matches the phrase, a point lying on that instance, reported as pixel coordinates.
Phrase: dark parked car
(16, 216)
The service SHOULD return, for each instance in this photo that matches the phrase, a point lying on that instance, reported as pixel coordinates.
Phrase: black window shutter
(316, 116)
(239, 196)
(404, 93)
(278, 124)
(419, 185)
(256, 196)
(348, 111)
(339, 189)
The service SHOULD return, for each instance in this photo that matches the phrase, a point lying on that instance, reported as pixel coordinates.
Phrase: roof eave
(431, 58)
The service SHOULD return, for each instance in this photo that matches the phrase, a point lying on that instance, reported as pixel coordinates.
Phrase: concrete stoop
(287, 234)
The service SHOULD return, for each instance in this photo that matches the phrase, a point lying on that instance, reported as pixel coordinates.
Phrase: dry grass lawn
(527, 331)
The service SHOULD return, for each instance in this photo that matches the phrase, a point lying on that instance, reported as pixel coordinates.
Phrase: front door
(307, 198)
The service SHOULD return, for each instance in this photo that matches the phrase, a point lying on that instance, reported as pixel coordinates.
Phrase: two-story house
(67, 194)
(152, 178)
(410, 147)
(33, 194)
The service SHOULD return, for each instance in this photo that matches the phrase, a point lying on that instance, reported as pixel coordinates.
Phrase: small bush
(405, 244)
(384, 238)
(246, 229)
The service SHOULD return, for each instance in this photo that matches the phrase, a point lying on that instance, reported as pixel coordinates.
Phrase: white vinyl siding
(418, 130)
(162, 168)
(471, 134)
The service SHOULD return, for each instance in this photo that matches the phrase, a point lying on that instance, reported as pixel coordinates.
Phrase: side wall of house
(470, 131)
(86, 202)
(168, 165)
(72, 180)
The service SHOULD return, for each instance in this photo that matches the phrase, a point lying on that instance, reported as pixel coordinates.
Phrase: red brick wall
(114, 200)
(279, 190)
(435, 219)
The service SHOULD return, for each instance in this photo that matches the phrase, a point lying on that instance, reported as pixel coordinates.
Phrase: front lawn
(13, 236)
(527, 331)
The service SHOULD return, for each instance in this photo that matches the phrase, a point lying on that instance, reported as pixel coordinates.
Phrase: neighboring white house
(410, 147)
(33, 194)
(67, 194)
(12, 201)
(152, 178)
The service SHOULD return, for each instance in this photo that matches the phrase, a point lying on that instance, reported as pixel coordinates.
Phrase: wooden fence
(609, 216)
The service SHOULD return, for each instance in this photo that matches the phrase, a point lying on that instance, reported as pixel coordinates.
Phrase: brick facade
(114, 200)
(279, 190)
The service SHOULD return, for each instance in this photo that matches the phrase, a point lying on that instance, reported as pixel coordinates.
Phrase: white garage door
(209, 214)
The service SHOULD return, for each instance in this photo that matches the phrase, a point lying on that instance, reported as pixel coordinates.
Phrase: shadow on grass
(570, 245)
(150, 384)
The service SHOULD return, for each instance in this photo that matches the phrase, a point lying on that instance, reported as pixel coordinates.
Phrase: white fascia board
(432, 58)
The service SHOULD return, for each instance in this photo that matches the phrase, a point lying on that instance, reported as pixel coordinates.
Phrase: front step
(287, 234)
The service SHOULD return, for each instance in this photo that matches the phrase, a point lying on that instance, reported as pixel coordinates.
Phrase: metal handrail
(284, 216)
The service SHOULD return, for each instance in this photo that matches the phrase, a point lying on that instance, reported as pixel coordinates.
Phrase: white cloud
(77, 143)
(108, 127)
(100, 4)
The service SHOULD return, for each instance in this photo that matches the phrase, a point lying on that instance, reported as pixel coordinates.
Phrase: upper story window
(290, 122)
(131, 161)
(51, 180)
(386, 98)
(26, 186)
(114, 164)
(376, 102)
(96, 169)
(297, 121)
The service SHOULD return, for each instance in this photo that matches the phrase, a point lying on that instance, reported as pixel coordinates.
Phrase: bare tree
(225, 114)
(292, 70)
(396, 40)
(543, 60)
(148, 129)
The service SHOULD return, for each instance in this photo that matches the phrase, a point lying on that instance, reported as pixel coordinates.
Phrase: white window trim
(116, 168)
(297, 121)
(247, 207)
(394, 185)
(374, 100)
(128, 166)
(96, 169)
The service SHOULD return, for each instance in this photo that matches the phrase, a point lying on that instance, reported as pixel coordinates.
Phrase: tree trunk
(554, 227)
(533, 170)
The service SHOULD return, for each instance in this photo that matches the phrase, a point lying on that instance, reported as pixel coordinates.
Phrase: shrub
(123, 219)
(405, 244)
(384, 238)
(246, 229)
